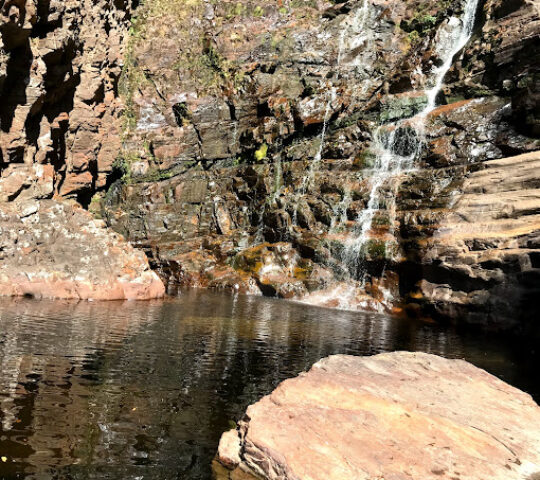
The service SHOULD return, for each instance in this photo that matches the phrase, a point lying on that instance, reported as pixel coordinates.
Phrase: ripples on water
(143, 390)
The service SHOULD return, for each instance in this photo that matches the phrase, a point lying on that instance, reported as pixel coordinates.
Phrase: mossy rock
(366, 159)
(403, 106)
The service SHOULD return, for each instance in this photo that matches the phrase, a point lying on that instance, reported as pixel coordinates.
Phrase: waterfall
(339, 212)
(449, 47)
(306, 181)
(358, 22)
(234, 142)
(398, 145)
(395, 151)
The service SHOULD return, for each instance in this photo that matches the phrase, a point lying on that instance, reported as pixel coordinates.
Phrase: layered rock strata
(241, 154)
(50, 249)
(59, 70)
(394, 416)
(484, 258)
(252, 137)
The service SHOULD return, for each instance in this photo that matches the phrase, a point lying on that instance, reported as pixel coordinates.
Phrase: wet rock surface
(238, 143)
(50, 249)
(256, 133)
(394, 415)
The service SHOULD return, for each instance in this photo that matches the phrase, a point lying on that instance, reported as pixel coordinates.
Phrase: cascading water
(395, 151)
(306, 181)
(339, 212)
(358, 22)
(396, 146)
(449, 46)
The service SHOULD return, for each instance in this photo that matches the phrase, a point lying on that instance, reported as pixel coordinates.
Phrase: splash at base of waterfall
(353, 296)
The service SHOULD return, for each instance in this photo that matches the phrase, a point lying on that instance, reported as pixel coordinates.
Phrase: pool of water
(144, 390)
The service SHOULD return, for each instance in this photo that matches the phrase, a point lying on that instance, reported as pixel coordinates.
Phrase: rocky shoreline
(394, 416)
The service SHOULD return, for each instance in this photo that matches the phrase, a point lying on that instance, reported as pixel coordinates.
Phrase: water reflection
(138, 390)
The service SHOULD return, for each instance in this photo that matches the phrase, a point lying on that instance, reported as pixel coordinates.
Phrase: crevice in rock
(14, 89)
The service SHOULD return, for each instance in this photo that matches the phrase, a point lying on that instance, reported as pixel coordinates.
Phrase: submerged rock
(55, 250)
(392, 416)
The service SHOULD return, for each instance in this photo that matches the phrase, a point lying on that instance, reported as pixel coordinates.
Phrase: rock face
(54, 250)
(393, 416)
(59, 69)
(60, 62)
(238, 143)
(484, 256)
(252, 138)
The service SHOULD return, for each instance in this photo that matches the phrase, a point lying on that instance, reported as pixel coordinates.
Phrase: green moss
(479, 91)
(376, 249)
(121, 167)
(455, 99)
(423, 22)
(213, 57)
(414, 37)
(348, 121)
(366, 159)
(155, 175)
(381, 221)
(239, 9)
(427, 21)
(96, 205)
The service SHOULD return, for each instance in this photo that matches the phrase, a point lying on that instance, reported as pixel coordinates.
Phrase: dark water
(143, 390)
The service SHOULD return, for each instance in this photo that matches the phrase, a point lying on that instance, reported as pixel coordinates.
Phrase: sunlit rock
(394, 416)
(50, 249)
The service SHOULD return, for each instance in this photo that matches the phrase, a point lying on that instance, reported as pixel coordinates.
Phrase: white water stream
(450, 43)
(358, 23)
(396, 146)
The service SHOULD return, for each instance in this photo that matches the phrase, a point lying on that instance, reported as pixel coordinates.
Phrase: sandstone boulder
(393, 416)
(57, 250)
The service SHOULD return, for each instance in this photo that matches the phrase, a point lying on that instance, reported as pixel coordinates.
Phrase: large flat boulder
(393, 416)
(50, 249)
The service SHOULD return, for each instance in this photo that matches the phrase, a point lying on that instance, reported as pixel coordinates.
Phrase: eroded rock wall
(60, 62)
(483, 258)
(60, 65)
(241, 152)
(225, 181)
